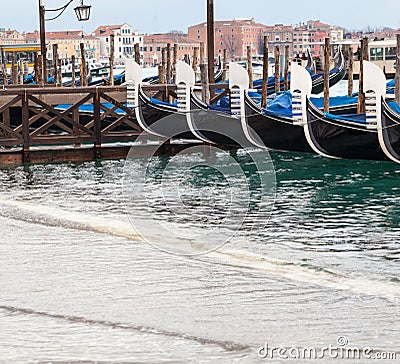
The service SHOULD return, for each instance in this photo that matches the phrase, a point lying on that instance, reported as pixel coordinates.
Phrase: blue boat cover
(334, 101)
(355, 118)
(394, 106)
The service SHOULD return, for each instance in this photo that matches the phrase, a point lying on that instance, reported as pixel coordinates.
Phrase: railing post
(25, 129)
(97, 125)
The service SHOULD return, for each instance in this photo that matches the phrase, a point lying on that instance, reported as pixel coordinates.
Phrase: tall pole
(43, 50)
(326, 73)
(210, 41)
(397, 75)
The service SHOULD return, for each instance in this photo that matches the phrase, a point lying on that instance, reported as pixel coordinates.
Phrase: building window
(376, 54)
(390, 53)
(107, 40)
(158, 49)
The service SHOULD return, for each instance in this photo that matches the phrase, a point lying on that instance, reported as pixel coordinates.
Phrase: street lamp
(82, 13)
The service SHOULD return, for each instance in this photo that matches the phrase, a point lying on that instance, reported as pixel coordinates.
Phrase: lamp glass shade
(83, 12)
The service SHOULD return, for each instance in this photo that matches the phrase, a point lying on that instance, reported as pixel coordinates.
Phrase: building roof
(169, 38)
(237, 22)
(107, 30)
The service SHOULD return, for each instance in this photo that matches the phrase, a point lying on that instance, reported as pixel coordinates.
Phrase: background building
(125, 39)
(68, 43)
(11, 37)
(280, 35)
(154, 43)
(234, 36)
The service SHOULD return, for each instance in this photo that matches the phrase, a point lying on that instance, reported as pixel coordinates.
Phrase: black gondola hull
(340, 139)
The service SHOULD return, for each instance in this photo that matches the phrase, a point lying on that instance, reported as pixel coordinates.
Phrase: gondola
(224, 127)
(351, 136)
(335, 75)
(280, 131)
(389, 130)
(160, 118)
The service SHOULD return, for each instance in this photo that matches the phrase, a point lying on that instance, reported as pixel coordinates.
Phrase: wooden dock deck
(34, 130)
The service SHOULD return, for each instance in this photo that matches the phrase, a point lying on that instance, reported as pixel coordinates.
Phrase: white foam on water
(47, 215)
(224, 255)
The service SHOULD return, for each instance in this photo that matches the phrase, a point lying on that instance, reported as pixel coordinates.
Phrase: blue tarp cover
(394, 106)
(355, 118)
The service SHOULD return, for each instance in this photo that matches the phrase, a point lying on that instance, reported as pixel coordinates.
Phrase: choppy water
(77, 283)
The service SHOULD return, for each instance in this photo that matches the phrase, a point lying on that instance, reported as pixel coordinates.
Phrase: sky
(156, 16)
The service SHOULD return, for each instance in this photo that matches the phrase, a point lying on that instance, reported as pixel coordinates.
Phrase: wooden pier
(34, 130)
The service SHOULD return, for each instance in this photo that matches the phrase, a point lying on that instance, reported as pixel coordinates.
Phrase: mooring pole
(397, 75)
(250, 66)
(361, 95)
(350, 72)
(112, 58)
(174, 60)
(73, 71)
(210, 43)
(265, 74)
(55, 59)
(205, 95)
(326, 73)
(42, 31)
(277, 69)
(137, 53)
(224, 63)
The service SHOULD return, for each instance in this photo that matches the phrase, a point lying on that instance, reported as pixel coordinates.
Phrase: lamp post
(82, 13)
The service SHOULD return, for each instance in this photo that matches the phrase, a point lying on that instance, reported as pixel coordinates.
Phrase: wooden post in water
(36, 68)
(326, 73)
(205, 95)
(224, 63)
(174, 60)
(250, 66)
(83, 66)
(14, 70)
(168, 63)
(265, 74)
(59, 72)
(397, 74)
(163, 64)
(21, 72)
(195, 59)
(361, 95)
(286, 71)
(112, 59)
(137, 53)
(277, 69)
(55, 64)
(350, 72)
(186, 58)
(210, 43)
(40, 70)
(73, 71)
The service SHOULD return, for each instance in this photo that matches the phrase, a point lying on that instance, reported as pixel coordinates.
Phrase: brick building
(280, 35)
(312, 35)
(154, 43)
(234, 36)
